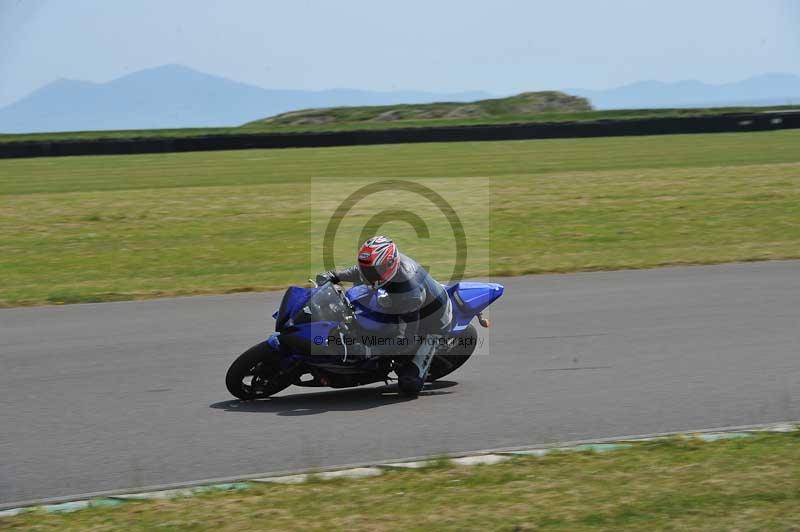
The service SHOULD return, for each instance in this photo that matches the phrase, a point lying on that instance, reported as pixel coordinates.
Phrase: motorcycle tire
(256, 373)
(448, 361)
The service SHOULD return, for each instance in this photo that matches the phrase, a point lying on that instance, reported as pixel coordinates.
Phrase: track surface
(118, 395)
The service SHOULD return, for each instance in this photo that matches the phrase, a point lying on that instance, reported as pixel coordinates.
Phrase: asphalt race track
(118, 395)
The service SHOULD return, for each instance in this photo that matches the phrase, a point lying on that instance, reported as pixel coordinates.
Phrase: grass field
(746, 484)
(349, 119)
(79, 229)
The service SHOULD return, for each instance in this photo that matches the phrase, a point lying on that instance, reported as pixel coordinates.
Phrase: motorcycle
(323, 334)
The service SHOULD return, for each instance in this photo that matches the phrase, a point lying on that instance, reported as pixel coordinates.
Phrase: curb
(373, 469)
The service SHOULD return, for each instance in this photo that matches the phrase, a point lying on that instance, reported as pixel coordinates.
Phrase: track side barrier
(551, 130)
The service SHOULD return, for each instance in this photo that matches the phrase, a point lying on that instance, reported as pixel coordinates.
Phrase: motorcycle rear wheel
(256, 373)
(448, 361)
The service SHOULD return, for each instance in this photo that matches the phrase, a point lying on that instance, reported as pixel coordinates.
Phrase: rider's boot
(411, 377)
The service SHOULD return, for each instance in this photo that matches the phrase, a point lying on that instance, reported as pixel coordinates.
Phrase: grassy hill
(521, 105)
(525, 108)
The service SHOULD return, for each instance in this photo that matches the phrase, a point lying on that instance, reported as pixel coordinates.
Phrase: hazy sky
(500, 46)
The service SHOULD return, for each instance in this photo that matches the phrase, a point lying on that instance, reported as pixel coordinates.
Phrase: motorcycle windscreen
(325, 304)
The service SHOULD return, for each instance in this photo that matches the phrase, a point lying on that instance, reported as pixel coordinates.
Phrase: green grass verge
(354, 121)
(79, 229)
(743, 484)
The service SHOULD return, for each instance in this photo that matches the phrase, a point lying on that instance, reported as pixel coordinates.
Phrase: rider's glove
(326, 277)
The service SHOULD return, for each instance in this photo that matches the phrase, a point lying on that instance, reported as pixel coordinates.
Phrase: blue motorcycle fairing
(368, 312)
(312, 331)
(307, 338)
(474, 297)
(293, 300)
(274, 342)
(293, 348)
(469, 299)
(358, 291)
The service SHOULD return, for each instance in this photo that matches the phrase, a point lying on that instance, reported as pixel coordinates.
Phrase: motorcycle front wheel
(256, 373)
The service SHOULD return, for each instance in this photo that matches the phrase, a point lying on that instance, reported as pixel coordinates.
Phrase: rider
(410, 294)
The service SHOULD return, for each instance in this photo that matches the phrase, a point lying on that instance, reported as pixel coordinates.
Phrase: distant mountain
(174, 96)
(767, 89)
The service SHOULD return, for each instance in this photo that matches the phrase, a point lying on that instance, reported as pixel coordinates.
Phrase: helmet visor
(373, 274)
